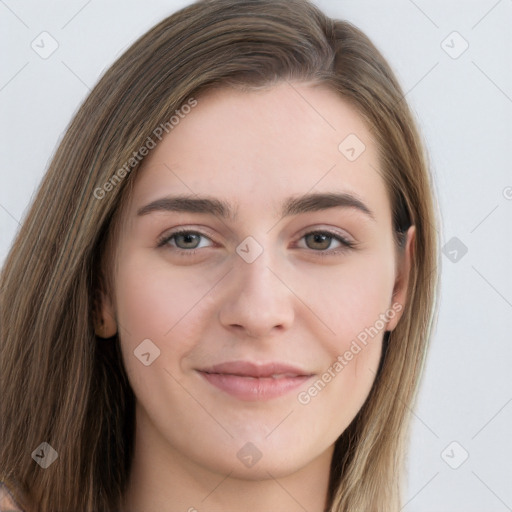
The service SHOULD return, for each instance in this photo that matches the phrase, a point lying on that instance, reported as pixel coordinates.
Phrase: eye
(185, 241)
(320, 241)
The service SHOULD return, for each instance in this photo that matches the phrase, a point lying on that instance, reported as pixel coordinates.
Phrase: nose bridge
(256, 279)
(255, 259)
(257, 300)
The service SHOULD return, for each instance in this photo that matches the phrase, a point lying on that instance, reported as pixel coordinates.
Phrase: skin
(252, 149)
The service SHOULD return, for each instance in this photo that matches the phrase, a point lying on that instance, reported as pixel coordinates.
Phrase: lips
(248, 369)
(249, 381)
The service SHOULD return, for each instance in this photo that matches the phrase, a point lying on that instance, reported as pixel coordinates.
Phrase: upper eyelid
(342, 233)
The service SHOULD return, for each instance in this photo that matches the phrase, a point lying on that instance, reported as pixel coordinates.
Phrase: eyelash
(346, 244)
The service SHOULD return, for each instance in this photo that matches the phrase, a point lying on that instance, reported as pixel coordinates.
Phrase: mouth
(255, 382)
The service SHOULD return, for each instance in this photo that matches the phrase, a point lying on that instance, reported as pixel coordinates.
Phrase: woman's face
(252, 340)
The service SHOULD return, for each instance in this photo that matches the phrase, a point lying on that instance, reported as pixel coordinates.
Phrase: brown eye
(321, 242)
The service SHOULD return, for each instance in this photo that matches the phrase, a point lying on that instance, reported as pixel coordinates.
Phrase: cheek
(335, 397)
(349, 298)
(164, 307)
(352, 301)
(352, 304)
(152, 301)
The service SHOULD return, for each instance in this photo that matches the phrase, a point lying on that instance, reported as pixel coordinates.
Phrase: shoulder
(7, 501)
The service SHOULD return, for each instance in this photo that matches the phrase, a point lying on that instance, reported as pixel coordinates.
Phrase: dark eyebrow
(322, 201)
(191, 204)
(292, 206)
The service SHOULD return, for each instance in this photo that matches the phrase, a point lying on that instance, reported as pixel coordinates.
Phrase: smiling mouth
(252, 382)
(274, 376)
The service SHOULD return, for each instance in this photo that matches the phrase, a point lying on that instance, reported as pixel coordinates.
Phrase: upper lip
(249, 369)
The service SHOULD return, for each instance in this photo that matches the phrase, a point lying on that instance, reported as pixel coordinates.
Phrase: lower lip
(254, 389)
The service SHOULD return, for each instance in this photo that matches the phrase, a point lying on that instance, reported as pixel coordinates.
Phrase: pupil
(189, 238)
(321, 238)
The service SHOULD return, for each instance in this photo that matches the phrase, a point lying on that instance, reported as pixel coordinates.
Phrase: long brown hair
(59, 383)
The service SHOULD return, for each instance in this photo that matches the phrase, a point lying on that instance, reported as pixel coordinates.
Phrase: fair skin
(299, 302)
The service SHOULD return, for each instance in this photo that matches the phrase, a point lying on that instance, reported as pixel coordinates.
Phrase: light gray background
(464, 109)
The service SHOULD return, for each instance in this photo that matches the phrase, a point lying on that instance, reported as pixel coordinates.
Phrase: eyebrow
(292, 206)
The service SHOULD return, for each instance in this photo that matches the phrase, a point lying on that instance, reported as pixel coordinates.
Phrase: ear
(105, 325)
(404, 264)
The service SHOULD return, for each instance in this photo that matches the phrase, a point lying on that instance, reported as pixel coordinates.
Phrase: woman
(222, 295)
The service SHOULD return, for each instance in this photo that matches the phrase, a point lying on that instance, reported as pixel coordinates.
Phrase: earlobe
(105, 325)
(404, 265)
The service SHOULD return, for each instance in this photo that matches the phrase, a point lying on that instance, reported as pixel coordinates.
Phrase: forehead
(256, 147)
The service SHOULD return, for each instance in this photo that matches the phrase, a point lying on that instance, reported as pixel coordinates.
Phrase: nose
(258, 302)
